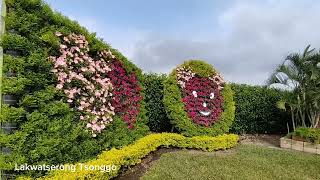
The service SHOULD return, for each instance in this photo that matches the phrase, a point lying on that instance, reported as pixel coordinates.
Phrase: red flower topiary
(202, 100)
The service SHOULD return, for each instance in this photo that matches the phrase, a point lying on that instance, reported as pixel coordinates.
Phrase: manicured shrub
(197, 100)
(158, 120)
(257, 112)
(49, 127)
(132, 154)
(307, 134)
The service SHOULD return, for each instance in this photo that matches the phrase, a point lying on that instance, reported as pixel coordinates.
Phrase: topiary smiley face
(198, 100)
(201, 96)
(202, 100)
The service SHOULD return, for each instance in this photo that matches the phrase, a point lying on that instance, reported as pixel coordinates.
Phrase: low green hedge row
(132, 154)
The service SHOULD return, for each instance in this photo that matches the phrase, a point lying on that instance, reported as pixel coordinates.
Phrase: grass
(243, 162)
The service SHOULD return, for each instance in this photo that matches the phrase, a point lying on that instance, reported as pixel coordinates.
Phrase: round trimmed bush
(197, 100)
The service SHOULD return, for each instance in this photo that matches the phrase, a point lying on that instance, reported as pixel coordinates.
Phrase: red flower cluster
(126, 93)
(202, 100)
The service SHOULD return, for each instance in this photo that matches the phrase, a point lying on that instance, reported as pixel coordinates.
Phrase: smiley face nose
(204, 104)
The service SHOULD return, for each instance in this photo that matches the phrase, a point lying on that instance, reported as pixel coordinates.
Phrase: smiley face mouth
(205, 113)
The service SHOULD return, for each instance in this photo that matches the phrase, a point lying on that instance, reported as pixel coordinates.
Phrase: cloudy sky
(244, 40)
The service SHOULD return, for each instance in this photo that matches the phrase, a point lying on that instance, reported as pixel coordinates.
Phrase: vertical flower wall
(97, 86)
(67, 89)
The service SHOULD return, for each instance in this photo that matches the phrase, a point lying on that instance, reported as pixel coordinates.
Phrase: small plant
(307, 134)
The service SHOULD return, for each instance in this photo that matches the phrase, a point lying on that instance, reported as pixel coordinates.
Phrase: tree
(299, 74)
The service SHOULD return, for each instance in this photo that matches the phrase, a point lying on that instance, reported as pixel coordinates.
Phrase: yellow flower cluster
(132, 154)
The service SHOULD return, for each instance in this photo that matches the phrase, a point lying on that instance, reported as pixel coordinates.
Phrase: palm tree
(299, 74)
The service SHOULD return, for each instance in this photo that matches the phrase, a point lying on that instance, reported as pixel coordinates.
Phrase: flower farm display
(75, 95)
(97, 86)
(198, 100)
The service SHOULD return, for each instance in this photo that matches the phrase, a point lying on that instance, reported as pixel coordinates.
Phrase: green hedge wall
(158, 120)
(48, 130)
(257, 112)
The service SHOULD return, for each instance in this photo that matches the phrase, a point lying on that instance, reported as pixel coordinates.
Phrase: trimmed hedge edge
(132, 154)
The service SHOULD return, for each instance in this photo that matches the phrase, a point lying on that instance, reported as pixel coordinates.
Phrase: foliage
(11, 114)
(158, 120)
(245, 162)
(48, 128)
(176, 109)
(300, 75)
(132, 154)
(51, 134)
(308, 134)
(256, 110)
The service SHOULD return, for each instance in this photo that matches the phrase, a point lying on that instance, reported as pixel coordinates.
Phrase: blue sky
(245, 40)
(165, 16)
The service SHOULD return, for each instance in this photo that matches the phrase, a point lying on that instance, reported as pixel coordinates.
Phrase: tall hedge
(158, 120)
(257, 112)
(48, 129)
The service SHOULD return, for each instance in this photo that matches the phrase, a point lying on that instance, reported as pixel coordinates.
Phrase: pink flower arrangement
(183, 75)
(99, 86)
(84, 81)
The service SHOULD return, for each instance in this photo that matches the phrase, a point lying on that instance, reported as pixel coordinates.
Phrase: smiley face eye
(211, 95)
(195, 93)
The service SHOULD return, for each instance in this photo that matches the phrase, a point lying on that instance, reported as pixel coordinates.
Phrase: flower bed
(303, 139)
(132, 154)
(304, 146)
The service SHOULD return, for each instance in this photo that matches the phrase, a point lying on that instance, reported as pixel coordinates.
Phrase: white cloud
(256, 37)
(250, 40)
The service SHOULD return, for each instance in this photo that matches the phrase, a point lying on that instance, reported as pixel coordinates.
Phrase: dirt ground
(137, 171)
(261, 139)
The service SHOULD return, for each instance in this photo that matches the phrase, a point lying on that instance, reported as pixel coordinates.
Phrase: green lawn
(242, 162)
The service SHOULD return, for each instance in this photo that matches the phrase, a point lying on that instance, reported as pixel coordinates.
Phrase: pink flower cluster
(218, 80)
(126, 93)
(183, 75)
(85, 81)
